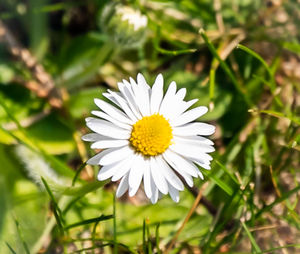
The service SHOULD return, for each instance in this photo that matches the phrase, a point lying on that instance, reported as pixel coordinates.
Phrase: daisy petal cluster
(134, 17)
(151, 137)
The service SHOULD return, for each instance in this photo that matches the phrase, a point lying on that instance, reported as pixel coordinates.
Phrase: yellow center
(151, 135)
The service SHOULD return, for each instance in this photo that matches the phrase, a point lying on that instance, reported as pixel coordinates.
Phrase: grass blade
(271, 84)
(148, 237)
(228, 172)
(56, 210)
(21, 237)
(169, 52)
(297, 245)
(144, 237)
(224, 66)
(115, 225)
(10, 248)
(78, 171)
(157, 238)
(252, 240)
(84, 189)
(282, 198)
(281, 115)
(223, 185)
(89, 221)
(258, 57)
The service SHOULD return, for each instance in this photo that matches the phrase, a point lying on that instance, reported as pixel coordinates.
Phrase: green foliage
(239, 58)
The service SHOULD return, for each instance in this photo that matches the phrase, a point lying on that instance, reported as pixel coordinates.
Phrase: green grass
(247, 74)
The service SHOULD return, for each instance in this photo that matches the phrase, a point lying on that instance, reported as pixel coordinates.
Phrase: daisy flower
(149, 136)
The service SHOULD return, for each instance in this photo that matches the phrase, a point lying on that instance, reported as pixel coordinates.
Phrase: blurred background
(57, 56)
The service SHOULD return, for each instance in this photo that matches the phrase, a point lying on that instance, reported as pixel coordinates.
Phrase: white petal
(108, 171)
(168, 173)
(109, 143)
(174, 194)
(133, 83)
(191, 152)
(156, 94)
(192, 144)
(195, 140)
(200, 175)
(141, 81)
(124, 106)
(188, 179)
(108, 129)
(123, 186)
(181, 93)
(176, 106)
(154, 196)
(116, 154)
(142, 96)
(127, 93)
(88, 119)
(144, 101)
(92, 137)
(124, 168)
(157, 176)
(147, 181)
(186, 176)
(194, 129)
(185, 106)
(203, 165)
(167, 100)
(111, 98)
(136, 174)
(96, 158)
(189, 116)
(113, 111)
(112, 120)
(179, 163)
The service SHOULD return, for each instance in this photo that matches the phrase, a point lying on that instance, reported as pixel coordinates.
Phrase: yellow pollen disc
(151, 135)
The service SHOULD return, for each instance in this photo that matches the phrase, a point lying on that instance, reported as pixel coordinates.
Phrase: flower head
(126, 26)
(149, 136)
(134, 17)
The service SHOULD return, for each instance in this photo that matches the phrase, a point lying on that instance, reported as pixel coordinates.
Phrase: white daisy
(149, 137)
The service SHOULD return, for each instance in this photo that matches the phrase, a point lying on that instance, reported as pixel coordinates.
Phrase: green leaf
(292, 46)
(222, 184)
(82, 69)
(6, 73)
(37, 21)
(81, 102)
